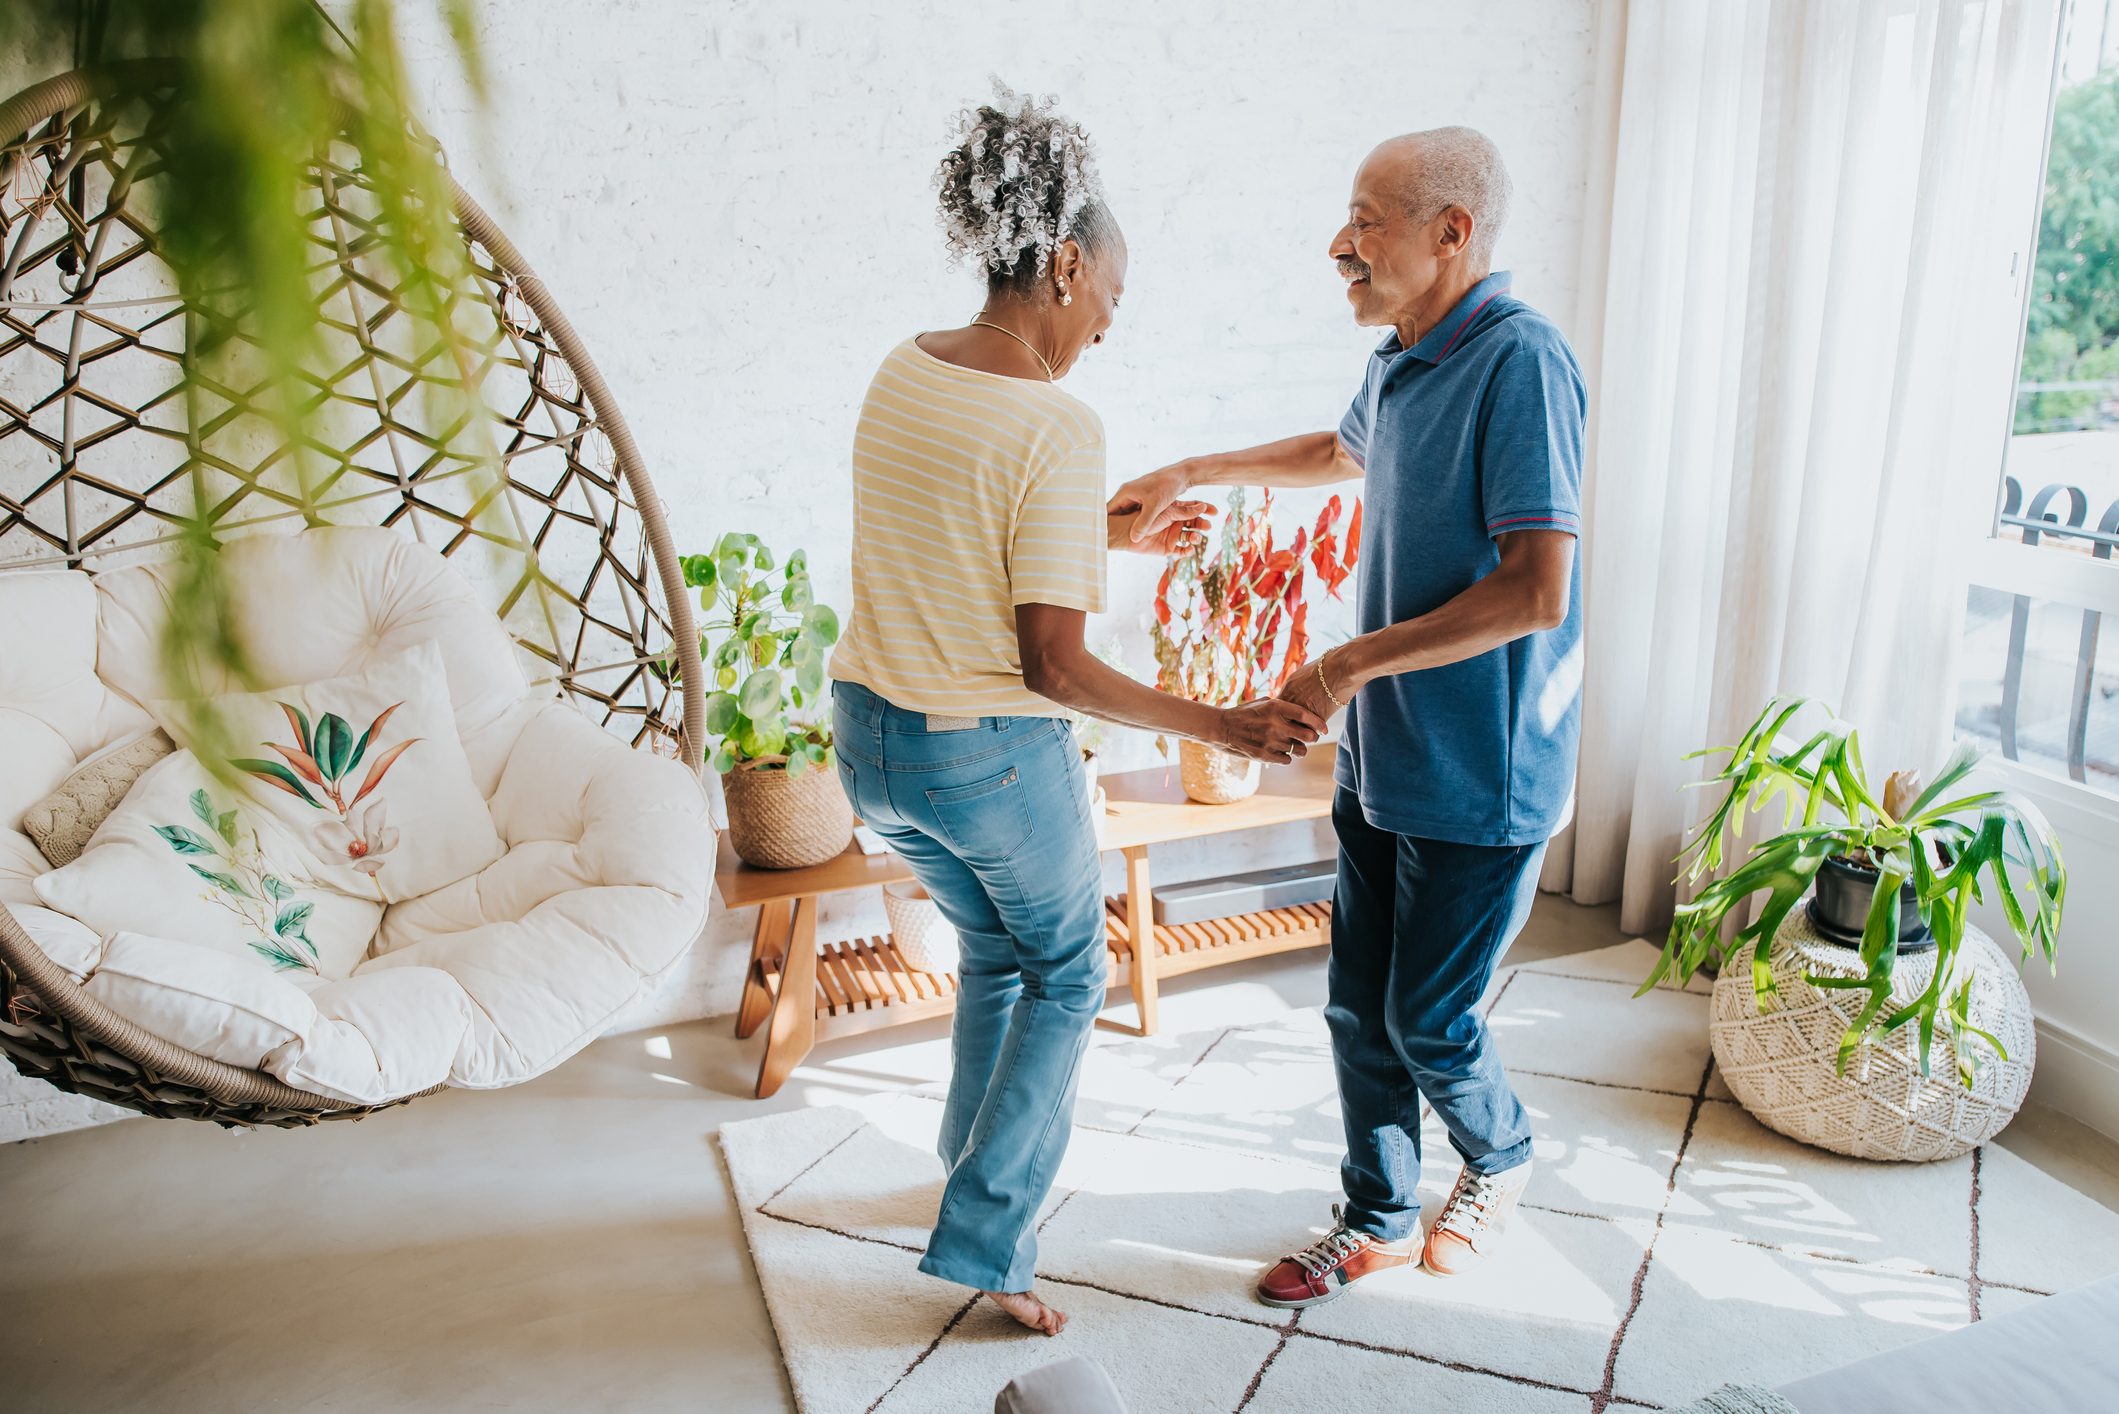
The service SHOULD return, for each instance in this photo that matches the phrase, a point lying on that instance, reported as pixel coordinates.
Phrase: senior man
(1460, 692)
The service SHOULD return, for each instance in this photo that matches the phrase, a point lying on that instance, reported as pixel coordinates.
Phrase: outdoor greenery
(1946, 838)
(261, 86)
(2073, 334)
(763, 638)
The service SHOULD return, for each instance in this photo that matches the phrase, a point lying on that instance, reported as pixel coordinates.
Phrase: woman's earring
(1065, 298)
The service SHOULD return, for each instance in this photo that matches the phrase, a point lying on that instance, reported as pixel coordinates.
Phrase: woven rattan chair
(96, 470)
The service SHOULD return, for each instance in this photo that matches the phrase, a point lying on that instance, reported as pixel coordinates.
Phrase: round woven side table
(1781, 1065)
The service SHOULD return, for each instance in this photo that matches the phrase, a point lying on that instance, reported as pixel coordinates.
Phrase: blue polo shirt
(1473, 432)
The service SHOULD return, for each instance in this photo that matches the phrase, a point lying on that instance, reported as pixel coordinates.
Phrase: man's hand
(1305, 688)
(1186, 526)
(1154, 500)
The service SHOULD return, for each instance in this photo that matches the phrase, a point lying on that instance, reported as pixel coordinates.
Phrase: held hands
(1155, 503)
(1185, 527)
(1270, 729)
(1325, 684)
(1306, 690)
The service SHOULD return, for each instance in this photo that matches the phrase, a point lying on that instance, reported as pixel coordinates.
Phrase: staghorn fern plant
(1945, 838)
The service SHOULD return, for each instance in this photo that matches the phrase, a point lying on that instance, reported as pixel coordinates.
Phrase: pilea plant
(763, 638)
(1231, 619)
(1945, 839)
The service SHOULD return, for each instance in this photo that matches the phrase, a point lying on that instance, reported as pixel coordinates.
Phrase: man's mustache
(1351, 268)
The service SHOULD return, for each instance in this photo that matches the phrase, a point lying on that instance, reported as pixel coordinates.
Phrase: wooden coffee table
(802, 990)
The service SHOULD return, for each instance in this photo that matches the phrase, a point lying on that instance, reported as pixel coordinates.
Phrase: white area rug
(1668, 1242)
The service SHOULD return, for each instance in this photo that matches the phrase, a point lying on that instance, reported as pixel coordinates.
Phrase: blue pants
(994, 820)
(1417, 926)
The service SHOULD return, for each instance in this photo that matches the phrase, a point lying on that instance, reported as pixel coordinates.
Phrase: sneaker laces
(1331, 1249)
(1473, 1203)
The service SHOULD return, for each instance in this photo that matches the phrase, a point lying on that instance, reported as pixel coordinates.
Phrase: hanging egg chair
(541, 567)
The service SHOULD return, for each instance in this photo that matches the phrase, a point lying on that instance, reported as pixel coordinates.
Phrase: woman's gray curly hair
(1020, 181)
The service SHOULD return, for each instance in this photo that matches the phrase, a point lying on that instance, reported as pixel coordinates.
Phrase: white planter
(924, 937)
(1782, 1065)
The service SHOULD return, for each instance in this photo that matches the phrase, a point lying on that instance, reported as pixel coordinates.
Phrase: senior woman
(979, 536)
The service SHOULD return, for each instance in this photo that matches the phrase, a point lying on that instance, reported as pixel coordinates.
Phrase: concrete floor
(566, 1245)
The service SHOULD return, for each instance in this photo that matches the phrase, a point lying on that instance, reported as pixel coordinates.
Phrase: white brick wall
(732, 202)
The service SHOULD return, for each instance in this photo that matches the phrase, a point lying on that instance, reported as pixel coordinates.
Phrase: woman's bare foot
(1025, 1307)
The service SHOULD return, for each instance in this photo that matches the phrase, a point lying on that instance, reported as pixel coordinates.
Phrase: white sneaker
(1470, 1224)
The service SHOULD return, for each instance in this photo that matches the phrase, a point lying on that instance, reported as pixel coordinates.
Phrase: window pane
(2064, 454)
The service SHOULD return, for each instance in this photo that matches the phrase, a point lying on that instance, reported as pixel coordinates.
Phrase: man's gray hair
(1460, 167)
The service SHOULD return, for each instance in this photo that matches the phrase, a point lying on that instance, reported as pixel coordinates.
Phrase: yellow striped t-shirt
(972, 493)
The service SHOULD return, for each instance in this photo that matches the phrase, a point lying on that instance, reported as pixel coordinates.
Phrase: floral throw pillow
(186, 858)
(367, 774)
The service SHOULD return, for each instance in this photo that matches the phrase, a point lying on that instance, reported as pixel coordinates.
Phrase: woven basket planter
(1212, 776)
(1781, 1065)
(782, 821)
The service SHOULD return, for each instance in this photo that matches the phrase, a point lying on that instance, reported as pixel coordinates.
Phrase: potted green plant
(1886, 878)
(763, 639)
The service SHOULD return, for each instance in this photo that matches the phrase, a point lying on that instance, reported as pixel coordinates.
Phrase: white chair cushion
(54, 711)
(325, 604)
(204, 1000)
(602, 890)
(67, 941)
(483, 982)
(365, 772)
(185, 858)
(378, 1036)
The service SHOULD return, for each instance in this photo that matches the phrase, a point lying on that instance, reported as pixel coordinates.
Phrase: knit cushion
(62, 822)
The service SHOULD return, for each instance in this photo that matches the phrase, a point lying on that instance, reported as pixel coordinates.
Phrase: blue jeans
(1417, 926)
(994, 820)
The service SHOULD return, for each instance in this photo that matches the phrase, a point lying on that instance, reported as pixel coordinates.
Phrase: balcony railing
(2056, 518)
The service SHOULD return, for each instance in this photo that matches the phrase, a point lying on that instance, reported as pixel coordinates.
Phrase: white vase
(925, 939)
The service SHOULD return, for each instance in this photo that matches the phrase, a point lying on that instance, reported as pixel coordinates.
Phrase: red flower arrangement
(1231, 623)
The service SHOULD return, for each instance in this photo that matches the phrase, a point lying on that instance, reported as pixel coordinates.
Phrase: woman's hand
(1185, 528)
(1270, 729)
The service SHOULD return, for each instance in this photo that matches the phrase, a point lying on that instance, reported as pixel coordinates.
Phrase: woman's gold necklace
(988, 323)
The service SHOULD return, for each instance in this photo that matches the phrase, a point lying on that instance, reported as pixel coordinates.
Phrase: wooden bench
(802, 990)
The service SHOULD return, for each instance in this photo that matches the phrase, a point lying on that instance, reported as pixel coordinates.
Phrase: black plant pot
(1840, 907)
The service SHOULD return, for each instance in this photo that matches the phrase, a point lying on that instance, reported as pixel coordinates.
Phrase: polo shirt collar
(1438, 342)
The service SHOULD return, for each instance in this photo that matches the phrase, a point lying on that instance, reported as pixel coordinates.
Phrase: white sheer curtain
(1820, 216)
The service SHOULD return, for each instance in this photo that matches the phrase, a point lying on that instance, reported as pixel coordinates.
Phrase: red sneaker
(1324, 1270)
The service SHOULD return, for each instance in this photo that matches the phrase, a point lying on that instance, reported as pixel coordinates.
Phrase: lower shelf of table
(864, 984)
